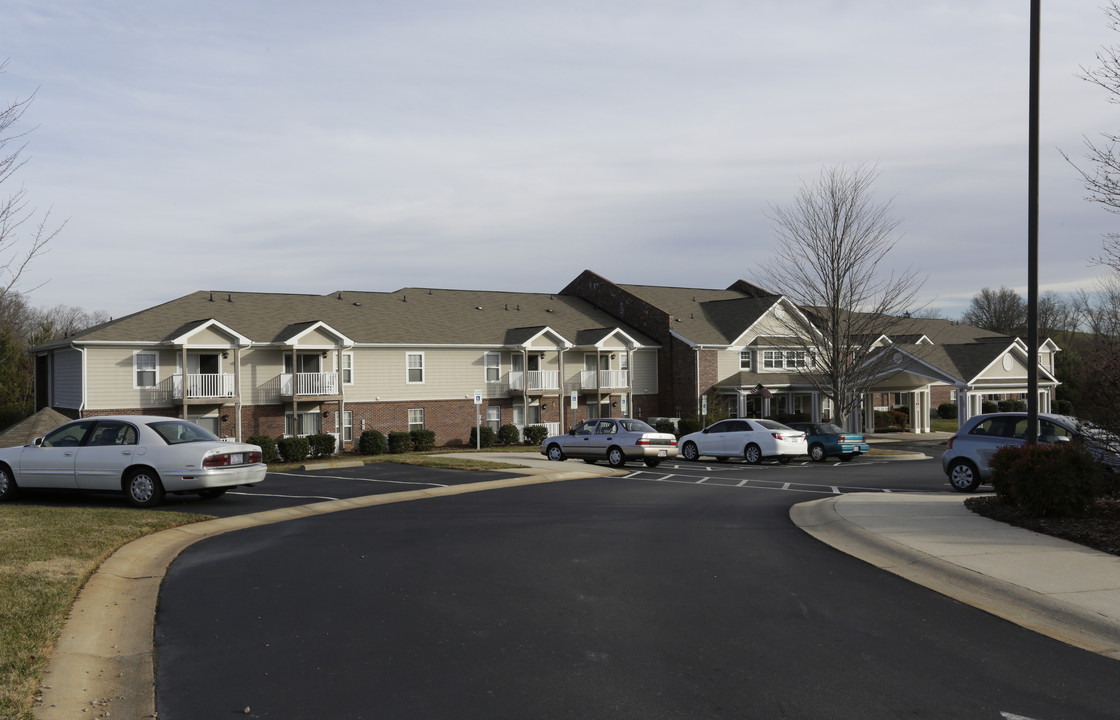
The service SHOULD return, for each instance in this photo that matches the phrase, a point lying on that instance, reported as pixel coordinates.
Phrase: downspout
(697, 349)
(85, 384)
(186, 384)
(237, 392)
(525, 394)
(560, 382)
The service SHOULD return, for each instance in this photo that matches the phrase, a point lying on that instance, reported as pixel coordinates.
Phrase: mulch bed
(1098, 527)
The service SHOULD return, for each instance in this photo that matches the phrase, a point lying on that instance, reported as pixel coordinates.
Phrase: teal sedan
(825, 439)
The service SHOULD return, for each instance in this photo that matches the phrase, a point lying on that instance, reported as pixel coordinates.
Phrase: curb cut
(1024, 607)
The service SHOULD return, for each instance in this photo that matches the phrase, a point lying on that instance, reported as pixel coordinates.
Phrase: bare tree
(1100, 311)
(832, 243)
(1102, 179)
(1003, 311)
(22, 236)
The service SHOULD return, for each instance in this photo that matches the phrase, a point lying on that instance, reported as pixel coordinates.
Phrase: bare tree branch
(832, 243)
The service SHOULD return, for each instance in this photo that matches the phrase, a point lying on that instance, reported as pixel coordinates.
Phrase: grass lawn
(46, 555)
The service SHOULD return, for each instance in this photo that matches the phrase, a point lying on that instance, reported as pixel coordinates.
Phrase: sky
(277, 146)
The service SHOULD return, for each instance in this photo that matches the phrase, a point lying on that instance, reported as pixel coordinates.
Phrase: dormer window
(745, 360)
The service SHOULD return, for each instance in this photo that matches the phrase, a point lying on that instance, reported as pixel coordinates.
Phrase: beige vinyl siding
(209, 338)
(111, 376)
(449, 374)
(727, 364)
(261, 369)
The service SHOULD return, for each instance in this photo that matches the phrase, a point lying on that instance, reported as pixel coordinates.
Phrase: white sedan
(144, 457)
(751, 440)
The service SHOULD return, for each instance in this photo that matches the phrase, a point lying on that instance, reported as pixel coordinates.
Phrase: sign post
(477, 419)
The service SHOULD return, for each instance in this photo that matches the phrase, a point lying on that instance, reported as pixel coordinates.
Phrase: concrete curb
(1027, 608)
(103, 662)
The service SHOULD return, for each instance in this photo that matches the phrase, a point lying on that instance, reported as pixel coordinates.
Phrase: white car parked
(751, 440)
(144, 457)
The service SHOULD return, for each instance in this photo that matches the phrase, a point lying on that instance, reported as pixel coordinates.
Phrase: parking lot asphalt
(103, 661)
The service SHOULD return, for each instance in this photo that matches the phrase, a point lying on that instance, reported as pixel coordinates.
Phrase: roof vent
(229, 298)
(477, 307)
(357, 304)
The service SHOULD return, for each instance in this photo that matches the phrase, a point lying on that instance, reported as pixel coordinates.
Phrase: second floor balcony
(203, 386)
(534, 381)
(604, 379)
(309, 384)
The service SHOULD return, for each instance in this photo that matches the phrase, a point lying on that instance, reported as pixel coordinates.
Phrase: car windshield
(830, 429)
(636, 426)
(174, 432)
(772, 425)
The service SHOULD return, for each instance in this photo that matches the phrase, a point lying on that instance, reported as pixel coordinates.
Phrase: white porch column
(815, 407)
(868, 415)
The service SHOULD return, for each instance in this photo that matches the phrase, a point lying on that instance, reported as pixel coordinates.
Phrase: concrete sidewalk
(1054, 587)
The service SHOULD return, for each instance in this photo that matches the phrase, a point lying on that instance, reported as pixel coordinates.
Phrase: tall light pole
(1032, 231)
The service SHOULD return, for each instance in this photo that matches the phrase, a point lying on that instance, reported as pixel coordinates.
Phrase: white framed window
(493, 363)
(795, 358)
(772, 359)
(414, 363)
(347, 369)
(745, 360)
(416, 419)
(213, 423)
(145, 369)
(494, 417)
(304, 423)
(347, 425)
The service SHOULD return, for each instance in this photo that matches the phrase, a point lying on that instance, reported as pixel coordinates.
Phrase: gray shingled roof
(705, 317)
(410, 316)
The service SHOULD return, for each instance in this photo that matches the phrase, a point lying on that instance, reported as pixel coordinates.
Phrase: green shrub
(486, 436)
(268, 447)
(1063, 407)
(688, 425)
(890, 420)
(509, 435)
(666, 426)
(947, 411)
(535, 434)
(1047, 480)
(371, 442)
(293, 449)
(987, 406)
(422, 440)
(400, 442)
(321, 445)
(1012, 406)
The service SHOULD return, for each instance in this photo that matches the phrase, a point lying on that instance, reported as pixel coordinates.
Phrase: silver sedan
(144, 457)
(615, 440)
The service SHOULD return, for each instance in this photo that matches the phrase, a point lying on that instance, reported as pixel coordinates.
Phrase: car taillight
(949, 445)
(227, 459)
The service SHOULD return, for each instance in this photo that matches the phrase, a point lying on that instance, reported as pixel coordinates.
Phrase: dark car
(827, 439)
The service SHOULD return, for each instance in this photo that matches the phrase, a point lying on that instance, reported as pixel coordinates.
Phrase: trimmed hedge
(509, 435)
(947, 411)
(688, 425)
(400, 442)
(535, 434)
(486, 436)
(1047, 480)
(269, 452)
(422, 440)
(293, 449)
(321, 445)
(371, 442)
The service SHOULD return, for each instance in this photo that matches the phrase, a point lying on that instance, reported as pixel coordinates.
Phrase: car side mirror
(572, 431)
(38, 442)
(1062, 438)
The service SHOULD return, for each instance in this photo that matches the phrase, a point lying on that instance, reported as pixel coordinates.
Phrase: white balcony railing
(204, 385)
(309, 384)
(607, 379)
(537, 379)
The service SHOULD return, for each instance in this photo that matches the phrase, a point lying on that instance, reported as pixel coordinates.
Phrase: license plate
(662, 453)
(237, 459)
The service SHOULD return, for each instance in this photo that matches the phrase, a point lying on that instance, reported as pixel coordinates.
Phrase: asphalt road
(681, 593)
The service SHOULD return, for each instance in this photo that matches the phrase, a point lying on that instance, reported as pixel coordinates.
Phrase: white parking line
(296, 497)
(359, 479)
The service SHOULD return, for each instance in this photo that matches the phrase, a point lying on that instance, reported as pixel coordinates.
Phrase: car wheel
(752, 454)
(817, 453)
(143, 488)
(8, 487)
(963, 476)
(784, 459)
(555, 453)
(846, 457)
(690, 452)
(652, 462)
(615, 457)
(212, 493)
